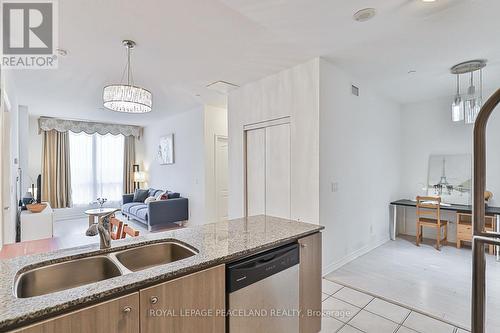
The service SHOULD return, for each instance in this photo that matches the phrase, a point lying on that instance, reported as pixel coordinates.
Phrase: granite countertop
(217, 243)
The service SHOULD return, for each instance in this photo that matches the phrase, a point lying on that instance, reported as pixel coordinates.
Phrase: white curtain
(96, 167)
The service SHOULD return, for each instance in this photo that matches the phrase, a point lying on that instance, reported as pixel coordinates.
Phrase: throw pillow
(149, 199)
(140, 195)
(174, 195)
(159, 195)
(164, 196)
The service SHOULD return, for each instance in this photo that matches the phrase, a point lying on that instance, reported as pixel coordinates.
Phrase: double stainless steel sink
(74, 273)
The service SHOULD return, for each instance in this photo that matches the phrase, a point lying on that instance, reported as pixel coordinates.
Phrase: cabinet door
(193, 303)
(278, 171)
(310, 283)
(256, 172)
(120, 315)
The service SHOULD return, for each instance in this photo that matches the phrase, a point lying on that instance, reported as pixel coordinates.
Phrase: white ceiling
(183, 45)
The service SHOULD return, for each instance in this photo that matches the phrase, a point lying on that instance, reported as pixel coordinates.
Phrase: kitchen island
(214, 246)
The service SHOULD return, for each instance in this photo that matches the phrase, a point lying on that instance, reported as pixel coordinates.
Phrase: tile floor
(350, 311)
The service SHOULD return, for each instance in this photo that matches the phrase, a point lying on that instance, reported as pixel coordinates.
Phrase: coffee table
(98, 212)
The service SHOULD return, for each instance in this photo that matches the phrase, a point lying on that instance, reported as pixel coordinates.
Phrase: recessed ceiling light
(364, 15)
(428, 0)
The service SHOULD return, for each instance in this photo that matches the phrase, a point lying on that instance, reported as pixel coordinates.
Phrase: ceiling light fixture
(127, 97)
(364, 15)
(466, 107)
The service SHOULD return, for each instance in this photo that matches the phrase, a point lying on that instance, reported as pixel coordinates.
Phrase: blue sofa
(156, 213)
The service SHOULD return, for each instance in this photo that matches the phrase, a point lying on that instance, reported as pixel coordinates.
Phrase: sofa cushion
(134, 209)
(126, 207)
(140, 195)
(142, 213)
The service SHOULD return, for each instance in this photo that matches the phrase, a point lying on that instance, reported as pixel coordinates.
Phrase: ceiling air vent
(222, 87)
(354, 90)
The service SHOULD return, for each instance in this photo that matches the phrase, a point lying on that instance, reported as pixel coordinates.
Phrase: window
(96, 167)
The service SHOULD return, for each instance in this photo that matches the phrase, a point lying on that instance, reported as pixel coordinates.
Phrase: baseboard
(350, 257)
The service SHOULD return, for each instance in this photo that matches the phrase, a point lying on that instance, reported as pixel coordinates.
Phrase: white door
(278, 171)
(221, 175)
(6, 195)
(256, 171)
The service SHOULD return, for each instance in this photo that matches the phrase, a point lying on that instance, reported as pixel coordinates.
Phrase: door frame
(253, 126)
(218, 137)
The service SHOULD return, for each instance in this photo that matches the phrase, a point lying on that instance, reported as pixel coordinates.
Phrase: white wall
(215, 122)
(187, 174)
(295, 93)
(360, 152)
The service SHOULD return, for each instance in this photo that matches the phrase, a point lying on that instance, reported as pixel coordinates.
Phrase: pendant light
(127, 97)
(457, 107)
(466, 108)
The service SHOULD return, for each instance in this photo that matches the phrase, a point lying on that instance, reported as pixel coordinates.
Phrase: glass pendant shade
(457, 107)
(472, 103)
(127, 97)
(472, 107)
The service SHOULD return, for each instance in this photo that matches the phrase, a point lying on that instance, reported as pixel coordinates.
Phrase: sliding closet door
(256, 172)
(278, 171)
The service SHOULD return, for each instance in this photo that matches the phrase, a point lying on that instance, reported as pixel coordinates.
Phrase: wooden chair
(429, 215)
(127, 230)
(116, 228)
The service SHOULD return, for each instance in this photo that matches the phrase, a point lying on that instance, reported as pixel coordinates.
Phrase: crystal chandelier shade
(466, 107)
(127, 97)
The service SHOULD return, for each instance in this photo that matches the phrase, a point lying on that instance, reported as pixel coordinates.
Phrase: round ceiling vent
(364, 15)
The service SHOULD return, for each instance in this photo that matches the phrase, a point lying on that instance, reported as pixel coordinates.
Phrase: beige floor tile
(388, 310)
(349, 329)
(354, 297)
(330, 287)
(330, 325)
(338, 309)
(403, 329)
(371, 323)
(425, 324)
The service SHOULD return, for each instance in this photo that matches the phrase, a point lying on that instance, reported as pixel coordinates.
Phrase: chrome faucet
(101, 228)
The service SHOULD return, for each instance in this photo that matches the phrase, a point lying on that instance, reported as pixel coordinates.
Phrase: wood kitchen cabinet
(310, 283)
(120, 315)
(193, 303)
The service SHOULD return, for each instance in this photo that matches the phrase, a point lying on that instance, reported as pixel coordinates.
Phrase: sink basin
(65, 275)
(151, 255)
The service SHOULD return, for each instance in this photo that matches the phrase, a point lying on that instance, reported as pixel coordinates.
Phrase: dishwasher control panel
(250, 270)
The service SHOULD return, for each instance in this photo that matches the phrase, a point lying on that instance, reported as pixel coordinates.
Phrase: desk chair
(115, 228)
(127, 230)
(429, 215)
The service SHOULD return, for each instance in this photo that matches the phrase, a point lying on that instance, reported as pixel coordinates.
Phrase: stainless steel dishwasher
(263, 292)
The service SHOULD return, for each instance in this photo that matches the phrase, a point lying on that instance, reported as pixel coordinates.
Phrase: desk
(403, 203)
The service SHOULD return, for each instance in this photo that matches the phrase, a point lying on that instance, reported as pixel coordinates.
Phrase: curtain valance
(77, 126)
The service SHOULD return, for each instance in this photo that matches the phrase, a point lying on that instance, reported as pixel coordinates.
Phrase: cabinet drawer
(464, 232)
